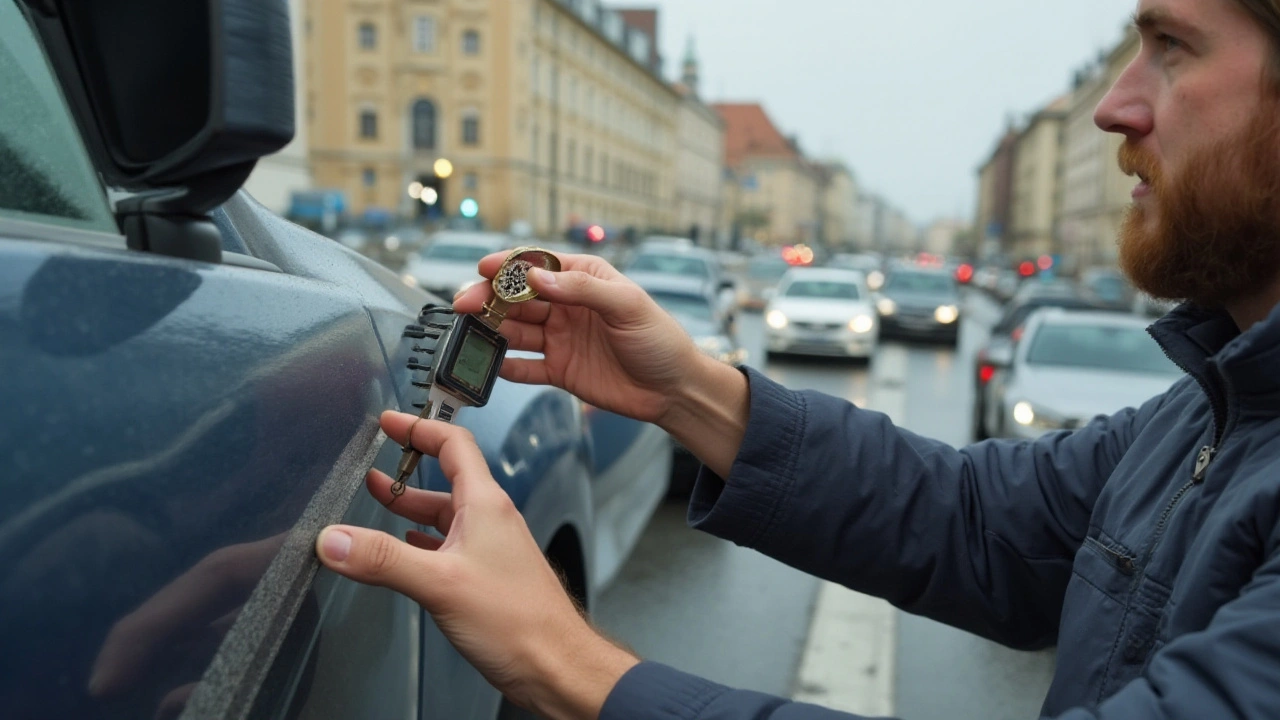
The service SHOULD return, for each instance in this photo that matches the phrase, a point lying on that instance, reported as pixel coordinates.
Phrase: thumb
(611, 298)
(376, 558)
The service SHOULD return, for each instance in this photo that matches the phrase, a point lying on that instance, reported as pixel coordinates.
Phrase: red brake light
(1027, 269)
(595, 234)
(985, 373)
(964, 273)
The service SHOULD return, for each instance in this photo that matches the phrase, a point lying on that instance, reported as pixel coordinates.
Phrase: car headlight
(1028, 415)
(946, 314)
(862, 324)
(776, 320)
(875, 280)
(886, 306)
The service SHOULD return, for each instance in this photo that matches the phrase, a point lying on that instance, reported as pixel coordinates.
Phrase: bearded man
(1145, 545)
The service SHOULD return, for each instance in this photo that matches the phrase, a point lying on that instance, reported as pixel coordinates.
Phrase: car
(192, 390)
(821, 311)
(920, 303)
(448, 263)
(697, 313)
(1071, 366)
(1107, 287)
(659, 257)
(763, 273)
(997, 352)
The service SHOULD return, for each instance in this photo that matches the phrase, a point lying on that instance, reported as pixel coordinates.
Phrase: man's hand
(601, 336)
(487, 584)
(606, 341)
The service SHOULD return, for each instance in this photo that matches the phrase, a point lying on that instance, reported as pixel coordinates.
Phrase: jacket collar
(1208, 345)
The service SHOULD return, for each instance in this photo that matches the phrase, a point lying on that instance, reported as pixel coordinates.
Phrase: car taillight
(985, 373)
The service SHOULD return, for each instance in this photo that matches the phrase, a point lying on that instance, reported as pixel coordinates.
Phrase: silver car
(449, 263)
(1070, 367)
(822, 312)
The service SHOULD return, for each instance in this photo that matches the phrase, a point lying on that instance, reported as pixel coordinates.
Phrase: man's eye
(1168, 42)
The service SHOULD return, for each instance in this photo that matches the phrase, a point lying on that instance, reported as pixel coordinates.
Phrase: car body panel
(915, 309)
(820, 326)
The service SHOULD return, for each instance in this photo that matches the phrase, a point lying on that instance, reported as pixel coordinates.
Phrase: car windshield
(671, 265)
(1108, 287)
(447, 251)
(826, 289)
(694, 306)
(926, 283)
(1102, 347)
(767, 268)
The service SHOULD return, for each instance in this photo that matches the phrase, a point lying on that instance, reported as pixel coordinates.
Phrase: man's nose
(1126, 109)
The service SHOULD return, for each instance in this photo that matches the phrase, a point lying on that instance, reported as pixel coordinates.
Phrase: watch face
(469, 364)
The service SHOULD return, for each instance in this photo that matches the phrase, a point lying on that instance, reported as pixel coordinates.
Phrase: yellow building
(777, 199)
(838, 206)
(1095, 193)
(1037, 170)
(547, 115)
(699, 161)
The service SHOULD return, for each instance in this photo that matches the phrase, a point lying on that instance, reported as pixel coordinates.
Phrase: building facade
(993, 218)
(1037, 172)
(1095, 193)
(550, 114)
(838, 206)
(776, 201)
(699, 161)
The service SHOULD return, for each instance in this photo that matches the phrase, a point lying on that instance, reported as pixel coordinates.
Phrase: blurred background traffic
(432, 134)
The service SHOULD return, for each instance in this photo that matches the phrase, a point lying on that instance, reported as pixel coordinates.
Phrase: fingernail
(544, 277)
(335, 545)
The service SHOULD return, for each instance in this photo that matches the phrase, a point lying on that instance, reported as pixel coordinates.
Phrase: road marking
(848, 662)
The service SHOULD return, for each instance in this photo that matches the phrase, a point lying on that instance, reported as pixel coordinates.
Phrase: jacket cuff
(651, 691)
(743, 507)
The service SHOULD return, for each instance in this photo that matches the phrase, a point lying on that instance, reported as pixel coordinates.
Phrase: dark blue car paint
(163, 417)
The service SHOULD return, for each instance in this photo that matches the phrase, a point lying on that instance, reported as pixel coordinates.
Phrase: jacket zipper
(1207, 453)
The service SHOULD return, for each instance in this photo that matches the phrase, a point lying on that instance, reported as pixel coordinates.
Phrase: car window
(693, 306)
(921, 283)
(45, 173)
(671, 265)
(828, 289)
(444, 251)
(1103, 347)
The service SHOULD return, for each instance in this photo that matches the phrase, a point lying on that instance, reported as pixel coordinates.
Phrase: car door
(173, 433)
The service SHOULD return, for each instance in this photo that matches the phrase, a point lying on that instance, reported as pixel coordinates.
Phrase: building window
(588, 163)
(470, 181)
(471, 130)
(424, 34)
(535, 76)
(424, 125)
(368, 35)
(571, 158)
(471, 42)
(604, 169)
(370, 177)
(368, 124)
(533, 147)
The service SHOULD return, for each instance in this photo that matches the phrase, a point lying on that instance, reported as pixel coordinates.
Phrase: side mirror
(176, 102)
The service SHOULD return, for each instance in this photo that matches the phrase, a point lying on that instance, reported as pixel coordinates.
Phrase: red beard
(1215, 235)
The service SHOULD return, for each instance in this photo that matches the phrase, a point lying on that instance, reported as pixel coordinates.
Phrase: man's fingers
(376, 558)
(425, 507)
(526, 371)
(422, 540)
(524, 336)
(460, 458)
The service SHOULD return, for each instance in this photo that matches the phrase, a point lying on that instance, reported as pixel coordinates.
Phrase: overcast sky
(911, 93)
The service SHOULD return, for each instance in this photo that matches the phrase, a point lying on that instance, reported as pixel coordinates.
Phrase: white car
(1071, 366)
(450, 262)
(820, 311)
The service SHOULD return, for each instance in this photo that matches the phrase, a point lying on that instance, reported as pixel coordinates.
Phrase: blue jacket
(1145, 545)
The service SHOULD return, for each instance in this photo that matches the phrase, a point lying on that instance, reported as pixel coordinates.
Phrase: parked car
(1072, 366)
(191, 391)
(1107, 287)
(819, 311)
(448, 263)
(764, 271)
(689, 303)
(662, 257)
(920, 303)
(997, 352)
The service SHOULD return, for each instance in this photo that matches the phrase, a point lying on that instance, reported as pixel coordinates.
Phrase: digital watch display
(468, 365)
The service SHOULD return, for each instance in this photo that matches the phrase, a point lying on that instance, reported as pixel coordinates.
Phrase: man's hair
(1267, 13)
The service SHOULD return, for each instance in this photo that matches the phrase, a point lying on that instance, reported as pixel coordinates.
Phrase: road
(737, 617)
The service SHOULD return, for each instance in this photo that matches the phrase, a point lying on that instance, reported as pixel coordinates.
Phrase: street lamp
(415, 190)
(429, 196)
(443, 168)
